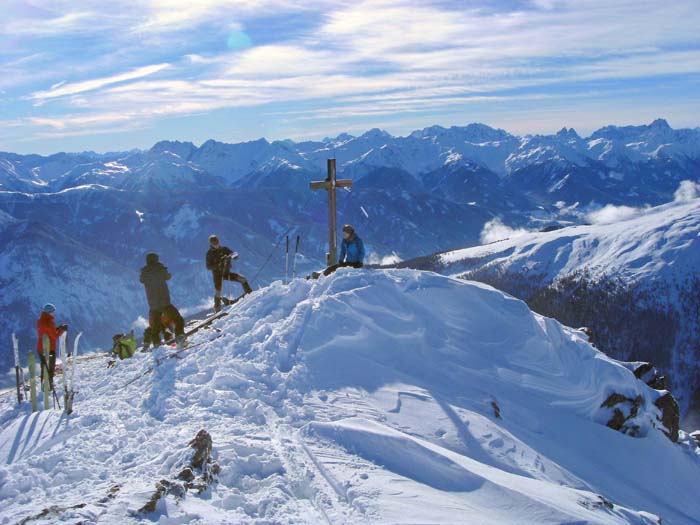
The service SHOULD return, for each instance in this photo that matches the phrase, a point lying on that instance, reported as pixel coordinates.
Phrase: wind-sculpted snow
(634, 281)
(366, 397)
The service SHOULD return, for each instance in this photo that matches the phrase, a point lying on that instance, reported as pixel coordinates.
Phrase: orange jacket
(45, 325)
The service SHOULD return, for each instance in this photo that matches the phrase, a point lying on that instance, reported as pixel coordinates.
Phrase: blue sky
(105, 76)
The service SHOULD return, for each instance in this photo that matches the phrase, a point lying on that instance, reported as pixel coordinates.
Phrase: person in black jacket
(163, 314)
(219, 264)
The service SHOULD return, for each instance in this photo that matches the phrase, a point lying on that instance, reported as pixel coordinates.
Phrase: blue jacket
(352, 251)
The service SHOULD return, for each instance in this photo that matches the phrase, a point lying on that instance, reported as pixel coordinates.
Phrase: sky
(117, 75)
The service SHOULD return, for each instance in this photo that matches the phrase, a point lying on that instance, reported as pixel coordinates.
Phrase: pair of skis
(294, 264)
(68, 374)
(68, 366)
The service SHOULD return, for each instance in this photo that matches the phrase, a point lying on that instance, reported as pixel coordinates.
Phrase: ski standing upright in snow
(19, 373)
(69, 377)
(68, 365)
(31, 364)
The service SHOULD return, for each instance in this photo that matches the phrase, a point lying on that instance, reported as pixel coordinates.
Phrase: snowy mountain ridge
(417, 153)
(632, 277)
(662, 242)
(359, 398)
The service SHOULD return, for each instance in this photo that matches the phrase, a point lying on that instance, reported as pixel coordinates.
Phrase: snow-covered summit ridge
(356, 399)
(662, 242)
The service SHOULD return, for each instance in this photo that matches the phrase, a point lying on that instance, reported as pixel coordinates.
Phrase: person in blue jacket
(352, 251)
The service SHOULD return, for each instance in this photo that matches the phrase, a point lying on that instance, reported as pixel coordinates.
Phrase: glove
(63, 327)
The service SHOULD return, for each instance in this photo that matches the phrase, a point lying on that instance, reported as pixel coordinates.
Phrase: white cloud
(494, 230)
(611, 214)
(366, 59)
(141, 323)
(687, 190)
(62, 89)
(383, 260)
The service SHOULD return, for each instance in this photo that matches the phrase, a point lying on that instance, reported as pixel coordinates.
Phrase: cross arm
(320, 185)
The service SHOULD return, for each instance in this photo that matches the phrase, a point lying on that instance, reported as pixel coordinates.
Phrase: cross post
(330, 185)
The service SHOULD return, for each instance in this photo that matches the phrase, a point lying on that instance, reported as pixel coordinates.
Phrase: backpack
(124, 345)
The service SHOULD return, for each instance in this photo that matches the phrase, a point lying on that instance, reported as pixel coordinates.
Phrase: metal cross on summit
(330, 184)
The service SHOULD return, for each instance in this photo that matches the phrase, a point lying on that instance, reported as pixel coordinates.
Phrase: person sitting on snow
(352, 251)
(154, 277)
(219, 264)
(46, 325)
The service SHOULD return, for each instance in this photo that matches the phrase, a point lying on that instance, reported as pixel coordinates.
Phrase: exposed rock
(54, 512)
(51, 512)
(651, 376)
(589, 333)
(658, 382)
(670, 415)
(626, 409)
(595, 504)
(197, 475)
(496, 409)
(613, 399)
(202, 446)
(111, 493)
(186, 474)
(163, 488)
(619, 421)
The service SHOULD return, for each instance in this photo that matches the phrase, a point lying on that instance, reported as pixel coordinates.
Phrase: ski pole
(286, 264)
(269, 257)
(296, 250)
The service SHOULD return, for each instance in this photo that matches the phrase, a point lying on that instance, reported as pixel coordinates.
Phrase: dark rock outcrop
(496, 409)
(620, 419)
(670, 415)
(625, 409)
(651, 376)
(197, 475)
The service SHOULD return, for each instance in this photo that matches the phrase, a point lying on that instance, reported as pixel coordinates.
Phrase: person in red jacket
(46, 325)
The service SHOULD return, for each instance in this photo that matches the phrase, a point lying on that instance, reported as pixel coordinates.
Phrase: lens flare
(238, 40)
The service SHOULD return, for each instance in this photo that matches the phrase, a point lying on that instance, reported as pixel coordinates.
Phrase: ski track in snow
(366, 397)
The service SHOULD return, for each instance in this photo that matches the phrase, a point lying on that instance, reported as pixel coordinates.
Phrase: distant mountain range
(75, 226)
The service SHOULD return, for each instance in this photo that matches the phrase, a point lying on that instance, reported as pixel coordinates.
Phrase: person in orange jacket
(46, 325)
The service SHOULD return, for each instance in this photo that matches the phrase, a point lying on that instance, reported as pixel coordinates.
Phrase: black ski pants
(333, 268)
(229, 276)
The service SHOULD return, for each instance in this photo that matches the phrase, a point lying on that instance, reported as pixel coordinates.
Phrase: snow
(636, 244)
(365, 397)
(184, 224)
